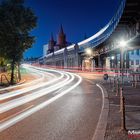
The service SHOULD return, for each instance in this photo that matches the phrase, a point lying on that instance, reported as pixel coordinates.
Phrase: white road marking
(101, 114)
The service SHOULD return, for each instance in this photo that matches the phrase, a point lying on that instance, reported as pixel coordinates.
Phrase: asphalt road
(63, 106)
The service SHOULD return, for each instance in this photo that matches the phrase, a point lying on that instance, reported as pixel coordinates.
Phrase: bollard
(135, 85)
(123, 127)
(110, 82)
(114, 88)
(121, 95)
(117, 87)
(133, 81)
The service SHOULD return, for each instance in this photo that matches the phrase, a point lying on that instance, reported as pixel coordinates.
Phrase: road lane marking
(102, 122)
(27, 113)
(11, 116)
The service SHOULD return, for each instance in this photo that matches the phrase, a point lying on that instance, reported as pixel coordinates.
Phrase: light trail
(13, 115)
(29, 83)
(25, 90)
(27, 98)
(29, 112)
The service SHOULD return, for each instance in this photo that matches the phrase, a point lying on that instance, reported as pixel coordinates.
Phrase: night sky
(77, 17)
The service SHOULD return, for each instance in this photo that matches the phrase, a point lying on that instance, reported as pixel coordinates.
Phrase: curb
(102, 123)
(20, 83)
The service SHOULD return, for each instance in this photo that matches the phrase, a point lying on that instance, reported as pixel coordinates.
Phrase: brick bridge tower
(62, 38)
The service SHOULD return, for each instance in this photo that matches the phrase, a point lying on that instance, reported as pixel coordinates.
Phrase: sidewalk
(132, 109)
(26, 77)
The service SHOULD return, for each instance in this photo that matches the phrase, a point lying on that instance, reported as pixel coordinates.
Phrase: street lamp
(89, 54)
(123, 44)
(89, 51)
(112, 62)
(112, 57)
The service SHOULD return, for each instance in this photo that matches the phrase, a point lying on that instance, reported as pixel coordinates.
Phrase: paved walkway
(26, 77)
(132, 101)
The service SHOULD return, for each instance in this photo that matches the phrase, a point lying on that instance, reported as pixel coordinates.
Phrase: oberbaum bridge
(109, 48)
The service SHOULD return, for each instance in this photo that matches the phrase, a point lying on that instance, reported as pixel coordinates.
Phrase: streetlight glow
(123, 43)
(112, 57)
(88, 51)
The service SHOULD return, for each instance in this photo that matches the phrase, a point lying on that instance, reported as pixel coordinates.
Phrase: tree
(16, 22)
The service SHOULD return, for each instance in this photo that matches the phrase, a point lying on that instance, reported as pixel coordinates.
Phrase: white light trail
(29, 112)
(13, 115)
(29, 83)
(24, 90)
(27, 98)
(27, 89)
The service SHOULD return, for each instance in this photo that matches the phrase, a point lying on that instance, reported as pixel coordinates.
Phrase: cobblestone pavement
(132, 110)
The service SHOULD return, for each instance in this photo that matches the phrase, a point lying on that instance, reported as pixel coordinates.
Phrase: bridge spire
(62, 38)
(61, 29)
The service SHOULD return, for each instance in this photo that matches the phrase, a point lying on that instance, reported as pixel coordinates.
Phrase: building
(59, 44)
(105, 45)
(45, 49)
(134, 61)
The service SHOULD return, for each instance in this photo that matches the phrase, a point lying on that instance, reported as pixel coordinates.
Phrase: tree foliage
(16, 22)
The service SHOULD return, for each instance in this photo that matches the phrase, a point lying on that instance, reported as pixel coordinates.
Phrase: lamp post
(112, 61)
(112, 57)
(122, 45)
(122, 99)
(89, 53)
